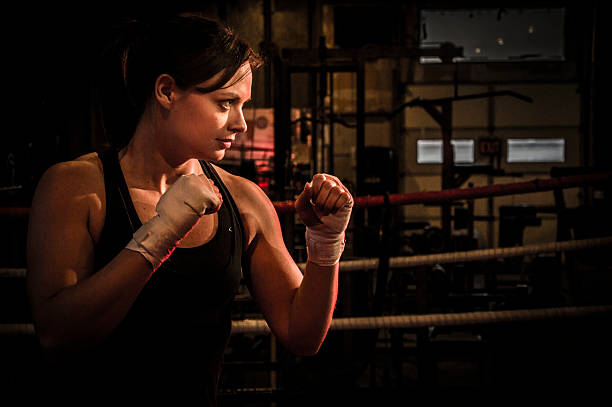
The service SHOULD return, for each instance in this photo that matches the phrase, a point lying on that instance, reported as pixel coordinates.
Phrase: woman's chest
(201, 233)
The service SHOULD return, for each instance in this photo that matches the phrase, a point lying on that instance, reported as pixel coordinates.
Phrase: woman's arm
(71, 305)
(298, 307)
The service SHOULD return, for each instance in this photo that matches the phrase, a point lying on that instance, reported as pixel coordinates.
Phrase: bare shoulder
(81, 173)
(75, 186)
(244, 191)
(256, 208)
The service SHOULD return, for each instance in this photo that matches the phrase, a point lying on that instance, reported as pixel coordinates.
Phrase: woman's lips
(226, 142)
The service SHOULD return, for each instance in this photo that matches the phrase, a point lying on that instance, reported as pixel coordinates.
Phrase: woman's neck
(149, 166)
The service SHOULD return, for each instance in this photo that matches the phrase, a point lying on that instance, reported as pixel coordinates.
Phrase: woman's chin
(216, 155)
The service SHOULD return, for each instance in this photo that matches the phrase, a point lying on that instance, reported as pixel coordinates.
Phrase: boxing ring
(427, 197)
(458, 319)
(367, 330)
(425, 320)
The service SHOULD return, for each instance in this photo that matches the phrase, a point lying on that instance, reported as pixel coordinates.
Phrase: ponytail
(114, 107)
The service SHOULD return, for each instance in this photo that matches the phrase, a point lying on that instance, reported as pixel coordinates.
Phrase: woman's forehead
(243, 72)
(239, 75)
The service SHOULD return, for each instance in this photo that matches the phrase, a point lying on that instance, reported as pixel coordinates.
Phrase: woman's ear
(165, 90)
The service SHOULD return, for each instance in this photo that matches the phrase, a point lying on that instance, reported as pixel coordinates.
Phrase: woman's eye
(226, 104)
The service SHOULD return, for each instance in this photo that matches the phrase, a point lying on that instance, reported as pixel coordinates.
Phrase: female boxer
(135, 253)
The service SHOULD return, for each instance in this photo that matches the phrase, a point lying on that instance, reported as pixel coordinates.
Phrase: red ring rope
(448, 195)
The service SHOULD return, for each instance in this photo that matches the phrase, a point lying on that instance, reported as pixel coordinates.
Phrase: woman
(134, 255)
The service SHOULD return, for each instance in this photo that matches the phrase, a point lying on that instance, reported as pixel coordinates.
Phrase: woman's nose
(237, 123)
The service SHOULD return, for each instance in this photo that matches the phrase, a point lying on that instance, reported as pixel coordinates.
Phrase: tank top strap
(240, 240)
(115, 181)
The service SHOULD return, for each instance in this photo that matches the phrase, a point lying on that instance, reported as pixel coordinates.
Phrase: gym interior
(470, 135)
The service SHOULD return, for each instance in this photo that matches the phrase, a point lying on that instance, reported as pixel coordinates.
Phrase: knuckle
(318, 178)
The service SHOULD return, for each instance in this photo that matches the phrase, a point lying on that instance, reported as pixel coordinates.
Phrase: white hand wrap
(325, 242)
(178, 210)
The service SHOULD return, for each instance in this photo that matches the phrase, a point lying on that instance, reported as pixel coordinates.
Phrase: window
(430, 151)
(536, 150)
(496, 34)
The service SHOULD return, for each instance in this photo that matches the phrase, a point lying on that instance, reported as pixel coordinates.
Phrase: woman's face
(203, 125)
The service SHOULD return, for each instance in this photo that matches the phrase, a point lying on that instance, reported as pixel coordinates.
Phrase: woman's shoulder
(69, 185)
(83, 172)
(254, 205)
(241, 188)
(85, 164)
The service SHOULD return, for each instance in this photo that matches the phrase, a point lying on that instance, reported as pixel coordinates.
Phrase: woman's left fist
(325, 195)
(325, 207)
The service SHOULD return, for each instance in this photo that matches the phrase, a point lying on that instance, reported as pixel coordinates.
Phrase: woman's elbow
(306, 351)
(303, 346)
(53, 336)
(49, 339)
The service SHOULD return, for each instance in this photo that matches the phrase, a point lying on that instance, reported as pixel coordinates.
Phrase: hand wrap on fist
(325, 207)
(179, 209)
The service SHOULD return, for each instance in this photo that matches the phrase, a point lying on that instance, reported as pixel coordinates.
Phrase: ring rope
(12, 272)
(260, 326)
(440, 258)
(431, 197)
(449, 195)
(17, 330)
(474, 255)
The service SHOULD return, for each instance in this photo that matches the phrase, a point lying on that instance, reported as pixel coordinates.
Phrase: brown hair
(190, 48)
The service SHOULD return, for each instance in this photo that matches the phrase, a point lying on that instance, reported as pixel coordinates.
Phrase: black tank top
(170, 345)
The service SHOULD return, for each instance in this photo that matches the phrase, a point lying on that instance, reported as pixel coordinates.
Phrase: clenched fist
(179, 209)
(325, 207)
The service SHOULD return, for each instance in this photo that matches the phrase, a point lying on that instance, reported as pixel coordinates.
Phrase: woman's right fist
(178, 210)
(189, 198)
